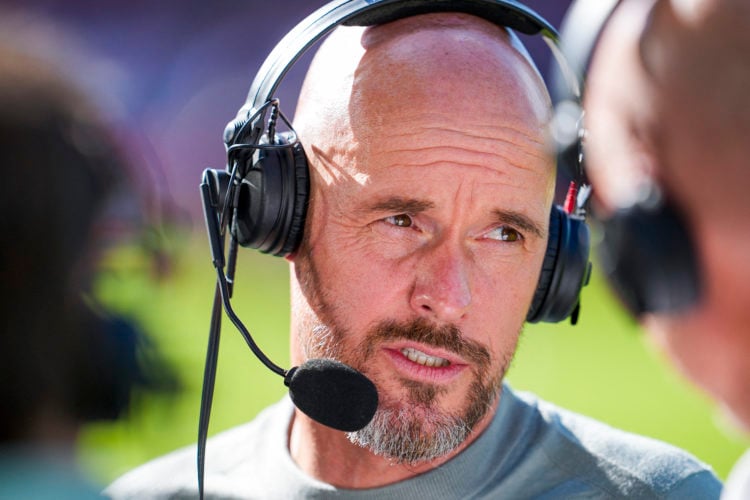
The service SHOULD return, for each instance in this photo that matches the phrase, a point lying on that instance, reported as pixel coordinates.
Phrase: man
(427, 226)
(668, 111)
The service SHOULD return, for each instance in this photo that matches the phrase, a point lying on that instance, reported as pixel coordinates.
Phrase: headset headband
(582, 28)
(508, 13)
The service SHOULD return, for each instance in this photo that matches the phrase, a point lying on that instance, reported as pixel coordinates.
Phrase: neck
(327, 455)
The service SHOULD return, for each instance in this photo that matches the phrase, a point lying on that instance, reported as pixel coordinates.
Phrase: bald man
(427, 226)
(668, 111)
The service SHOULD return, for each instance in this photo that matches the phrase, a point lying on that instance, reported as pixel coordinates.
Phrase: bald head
(443, 72)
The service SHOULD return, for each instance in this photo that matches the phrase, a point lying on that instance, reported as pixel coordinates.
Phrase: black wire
(271, 130)
(241, 327)
(209, 378)
(239, 132)
(224, 215)
(231, 264)
(241, 147)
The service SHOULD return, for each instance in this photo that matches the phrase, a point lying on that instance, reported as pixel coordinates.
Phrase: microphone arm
(326, 390)
(208, 189)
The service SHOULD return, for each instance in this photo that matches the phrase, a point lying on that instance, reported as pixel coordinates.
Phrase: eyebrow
(518, 220)
(400, 205)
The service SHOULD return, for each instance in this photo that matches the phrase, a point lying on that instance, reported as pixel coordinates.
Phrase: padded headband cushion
(495, 13)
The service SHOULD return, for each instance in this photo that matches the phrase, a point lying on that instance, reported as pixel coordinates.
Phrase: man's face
(426, 233)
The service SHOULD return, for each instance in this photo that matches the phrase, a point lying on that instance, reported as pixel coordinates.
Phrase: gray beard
(397, 435)
(408, 435)
(405, 442)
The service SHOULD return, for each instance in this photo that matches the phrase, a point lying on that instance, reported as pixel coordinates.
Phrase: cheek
(501, 297)
(358, 280)
(507, 287)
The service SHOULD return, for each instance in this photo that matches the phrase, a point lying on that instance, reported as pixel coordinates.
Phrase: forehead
(441, 96)
(471, 162)
(445, 186)
(430, 148)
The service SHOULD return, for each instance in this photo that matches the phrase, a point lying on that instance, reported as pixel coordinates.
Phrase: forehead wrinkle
(490, 131)
(478, 158)
(528, 149)
(513, 128)
(516, 144)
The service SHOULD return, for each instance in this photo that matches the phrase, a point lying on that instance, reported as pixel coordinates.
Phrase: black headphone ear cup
(301, 198)
(648, 256)
(548, 267)
(565, 269)
(272, 200)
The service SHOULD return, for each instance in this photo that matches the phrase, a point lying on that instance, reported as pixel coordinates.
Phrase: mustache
(420, 330)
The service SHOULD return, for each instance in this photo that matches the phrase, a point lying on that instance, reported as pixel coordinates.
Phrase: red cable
(570, 198)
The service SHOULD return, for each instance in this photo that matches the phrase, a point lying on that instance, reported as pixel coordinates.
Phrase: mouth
(423, 363)
(420, 358)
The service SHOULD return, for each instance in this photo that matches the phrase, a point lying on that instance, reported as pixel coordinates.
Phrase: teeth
(423, 359)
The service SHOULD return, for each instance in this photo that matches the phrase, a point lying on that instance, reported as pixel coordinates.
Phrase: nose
(442, 291)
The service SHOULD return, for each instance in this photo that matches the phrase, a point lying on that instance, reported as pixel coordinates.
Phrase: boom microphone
(328, 391)
(333, 394)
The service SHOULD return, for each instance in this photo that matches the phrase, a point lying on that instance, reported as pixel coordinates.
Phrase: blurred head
(61, 364)
(427, 225)
(668, 105)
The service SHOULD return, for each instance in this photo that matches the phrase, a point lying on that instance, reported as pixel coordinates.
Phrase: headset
(646, 251)
(267, 177)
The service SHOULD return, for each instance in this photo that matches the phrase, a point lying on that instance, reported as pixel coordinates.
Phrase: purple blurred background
(174, 73)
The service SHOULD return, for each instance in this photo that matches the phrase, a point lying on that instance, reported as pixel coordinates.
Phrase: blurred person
(428, 222)
(667, 125)
(64, 360)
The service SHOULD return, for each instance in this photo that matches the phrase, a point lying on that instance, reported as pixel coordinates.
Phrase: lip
(414, 371)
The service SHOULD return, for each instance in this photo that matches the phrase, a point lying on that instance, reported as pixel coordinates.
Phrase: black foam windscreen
(333, 394)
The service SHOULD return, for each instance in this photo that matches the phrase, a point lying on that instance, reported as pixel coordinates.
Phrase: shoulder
(175, 476)
(616, 462)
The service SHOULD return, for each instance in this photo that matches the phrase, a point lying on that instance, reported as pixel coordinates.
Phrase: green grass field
(604, 367)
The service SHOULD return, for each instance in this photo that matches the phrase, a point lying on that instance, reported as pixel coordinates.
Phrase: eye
(400, 220)
(505, 233)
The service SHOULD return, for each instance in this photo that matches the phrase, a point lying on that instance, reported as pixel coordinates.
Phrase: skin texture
(667, 104)
(427, 226)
